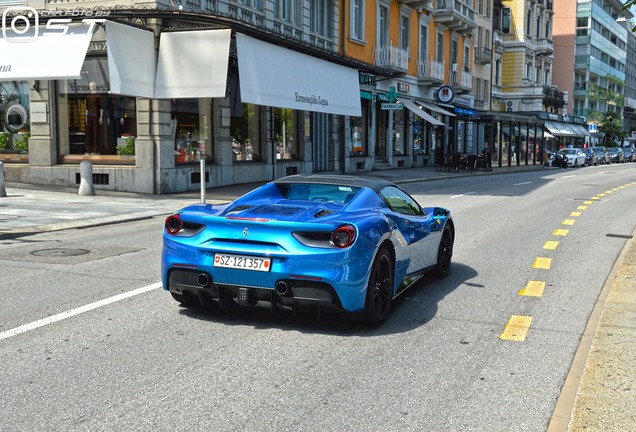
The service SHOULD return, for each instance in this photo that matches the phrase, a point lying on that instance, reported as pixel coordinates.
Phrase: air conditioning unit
(512, 106)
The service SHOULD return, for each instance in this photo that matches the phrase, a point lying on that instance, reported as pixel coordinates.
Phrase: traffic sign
(391, 106)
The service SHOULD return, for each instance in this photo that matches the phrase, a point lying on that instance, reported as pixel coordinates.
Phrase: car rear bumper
(198, 287)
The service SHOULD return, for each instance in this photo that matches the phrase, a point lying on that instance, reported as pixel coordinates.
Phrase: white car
(575, 156)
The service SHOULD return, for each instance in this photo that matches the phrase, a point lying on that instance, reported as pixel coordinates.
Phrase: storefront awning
(43, 53)
(557, 129)
(437, 109)
(274, 76)
(581, 130)
(193, 64)
(131, 60)
(420, 113)
(547, 135)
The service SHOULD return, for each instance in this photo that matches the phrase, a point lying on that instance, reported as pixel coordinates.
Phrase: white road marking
(523, 183)
(461, 195)
(80, 310)
(570, 176)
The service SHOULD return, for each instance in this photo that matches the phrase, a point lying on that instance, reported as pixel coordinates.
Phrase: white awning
(193, 64)
(271, 75)
(555, 129)
(420, 113)
(131, 60)
(44, 53)
(437, 109)
(547, 135)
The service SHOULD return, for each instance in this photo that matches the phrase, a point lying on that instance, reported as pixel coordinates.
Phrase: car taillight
(344, 236)
(173, 224)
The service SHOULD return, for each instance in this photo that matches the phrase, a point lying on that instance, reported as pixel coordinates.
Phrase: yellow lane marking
(542, 263)
(568, 222)
(561, 232)
(615, 189)
(516, 329)
(581, 208)
(550, 245)
(588, 202)
(575, 214)
(533, 289)
(608, 192)
(601, 195)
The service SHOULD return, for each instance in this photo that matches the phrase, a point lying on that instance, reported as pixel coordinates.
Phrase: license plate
(242, 262)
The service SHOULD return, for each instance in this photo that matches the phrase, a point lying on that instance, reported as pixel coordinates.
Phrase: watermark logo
(21, 24)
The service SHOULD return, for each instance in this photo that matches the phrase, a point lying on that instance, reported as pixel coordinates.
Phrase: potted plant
(21, 142)
(128, 149)
(4, 140)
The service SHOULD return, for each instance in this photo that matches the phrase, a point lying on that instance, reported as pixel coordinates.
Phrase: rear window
(318, 192)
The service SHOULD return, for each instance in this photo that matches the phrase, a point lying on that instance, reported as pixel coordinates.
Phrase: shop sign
(593, 127)
(38, 112)
(465, 111)
(403, 88)
(445, 94)
(464, 102)
(367, 79)
(366, 95)
(392, 106)
(388, 97)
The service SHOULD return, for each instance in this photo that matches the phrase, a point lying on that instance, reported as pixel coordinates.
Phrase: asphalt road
(446, 360)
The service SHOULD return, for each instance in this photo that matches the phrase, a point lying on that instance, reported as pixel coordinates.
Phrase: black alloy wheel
(444, 254)
(379, 289)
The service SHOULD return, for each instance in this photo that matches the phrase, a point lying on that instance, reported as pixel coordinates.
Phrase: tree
(612, 127)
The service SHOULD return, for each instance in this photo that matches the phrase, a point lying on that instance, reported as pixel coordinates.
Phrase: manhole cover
(61, 252)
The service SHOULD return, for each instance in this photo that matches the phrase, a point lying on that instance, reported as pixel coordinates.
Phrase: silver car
(575, 156)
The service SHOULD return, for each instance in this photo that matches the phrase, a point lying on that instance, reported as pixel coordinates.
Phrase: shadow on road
(412, 309)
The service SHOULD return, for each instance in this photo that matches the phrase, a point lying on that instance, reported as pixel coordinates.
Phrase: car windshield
(600, 149)
(568, 151)
(318, 192)
(613, 150)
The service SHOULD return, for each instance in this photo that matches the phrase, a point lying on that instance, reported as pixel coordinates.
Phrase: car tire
(379, 289)
(444, 254)
(177, 297)
(576, 163)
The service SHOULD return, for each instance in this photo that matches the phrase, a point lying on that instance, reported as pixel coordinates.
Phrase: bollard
(3, 191)
(86, 178)
(202, 163)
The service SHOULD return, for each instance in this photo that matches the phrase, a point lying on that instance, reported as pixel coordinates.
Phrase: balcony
(391, 57)
(460, 81)
(456, 15)
(418, 4)
(552, 97)
(483, 55)
(543, 46)
(430, 72)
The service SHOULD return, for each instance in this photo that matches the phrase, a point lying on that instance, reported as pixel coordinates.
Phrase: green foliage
(21, 142)
(128, 148)
(4, 140)
(612, 127)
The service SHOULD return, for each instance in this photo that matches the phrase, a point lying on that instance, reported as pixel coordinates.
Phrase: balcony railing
(553, 97)
(461, 79)
(483, 55)
(455, 14)
(544, 45)
(430, 71)
(392, 57)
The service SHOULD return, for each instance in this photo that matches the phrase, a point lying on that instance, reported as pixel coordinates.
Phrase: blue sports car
(338, 242)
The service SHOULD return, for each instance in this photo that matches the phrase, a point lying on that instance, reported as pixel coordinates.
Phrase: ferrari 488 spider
(341, 242)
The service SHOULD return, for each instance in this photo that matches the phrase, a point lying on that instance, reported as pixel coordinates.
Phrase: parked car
(616, 155)
(630, 154)
(324, 242)
(590, 156)
(601, 153)
(574, 156)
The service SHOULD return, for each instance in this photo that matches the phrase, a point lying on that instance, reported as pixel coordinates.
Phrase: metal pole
(202, 163)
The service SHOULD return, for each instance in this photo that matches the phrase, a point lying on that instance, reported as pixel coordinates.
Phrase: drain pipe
(202, 178)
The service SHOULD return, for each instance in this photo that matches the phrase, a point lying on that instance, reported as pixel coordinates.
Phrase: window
(357, 19)
(528, 69)
(383, 25)
(439, 49)
(287, 10)
(453, 52)
(466, 58)
(529, 22)
(404, 32)
(505, 21)
(245, 131)
(285, 133)
(14, 125)
(423, 48)
(398, 201)
(321, 17)
(191, 119)
(538, 29)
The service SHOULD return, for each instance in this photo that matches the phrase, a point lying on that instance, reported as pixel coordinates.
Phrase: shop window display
(286, 133)
(92, 120)
(191, 129)
(14, 121)
(359, 132)
(244, 129)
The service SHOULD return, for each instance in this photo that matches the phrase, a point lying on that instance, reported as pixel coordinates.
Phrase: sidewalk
(599, 393)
